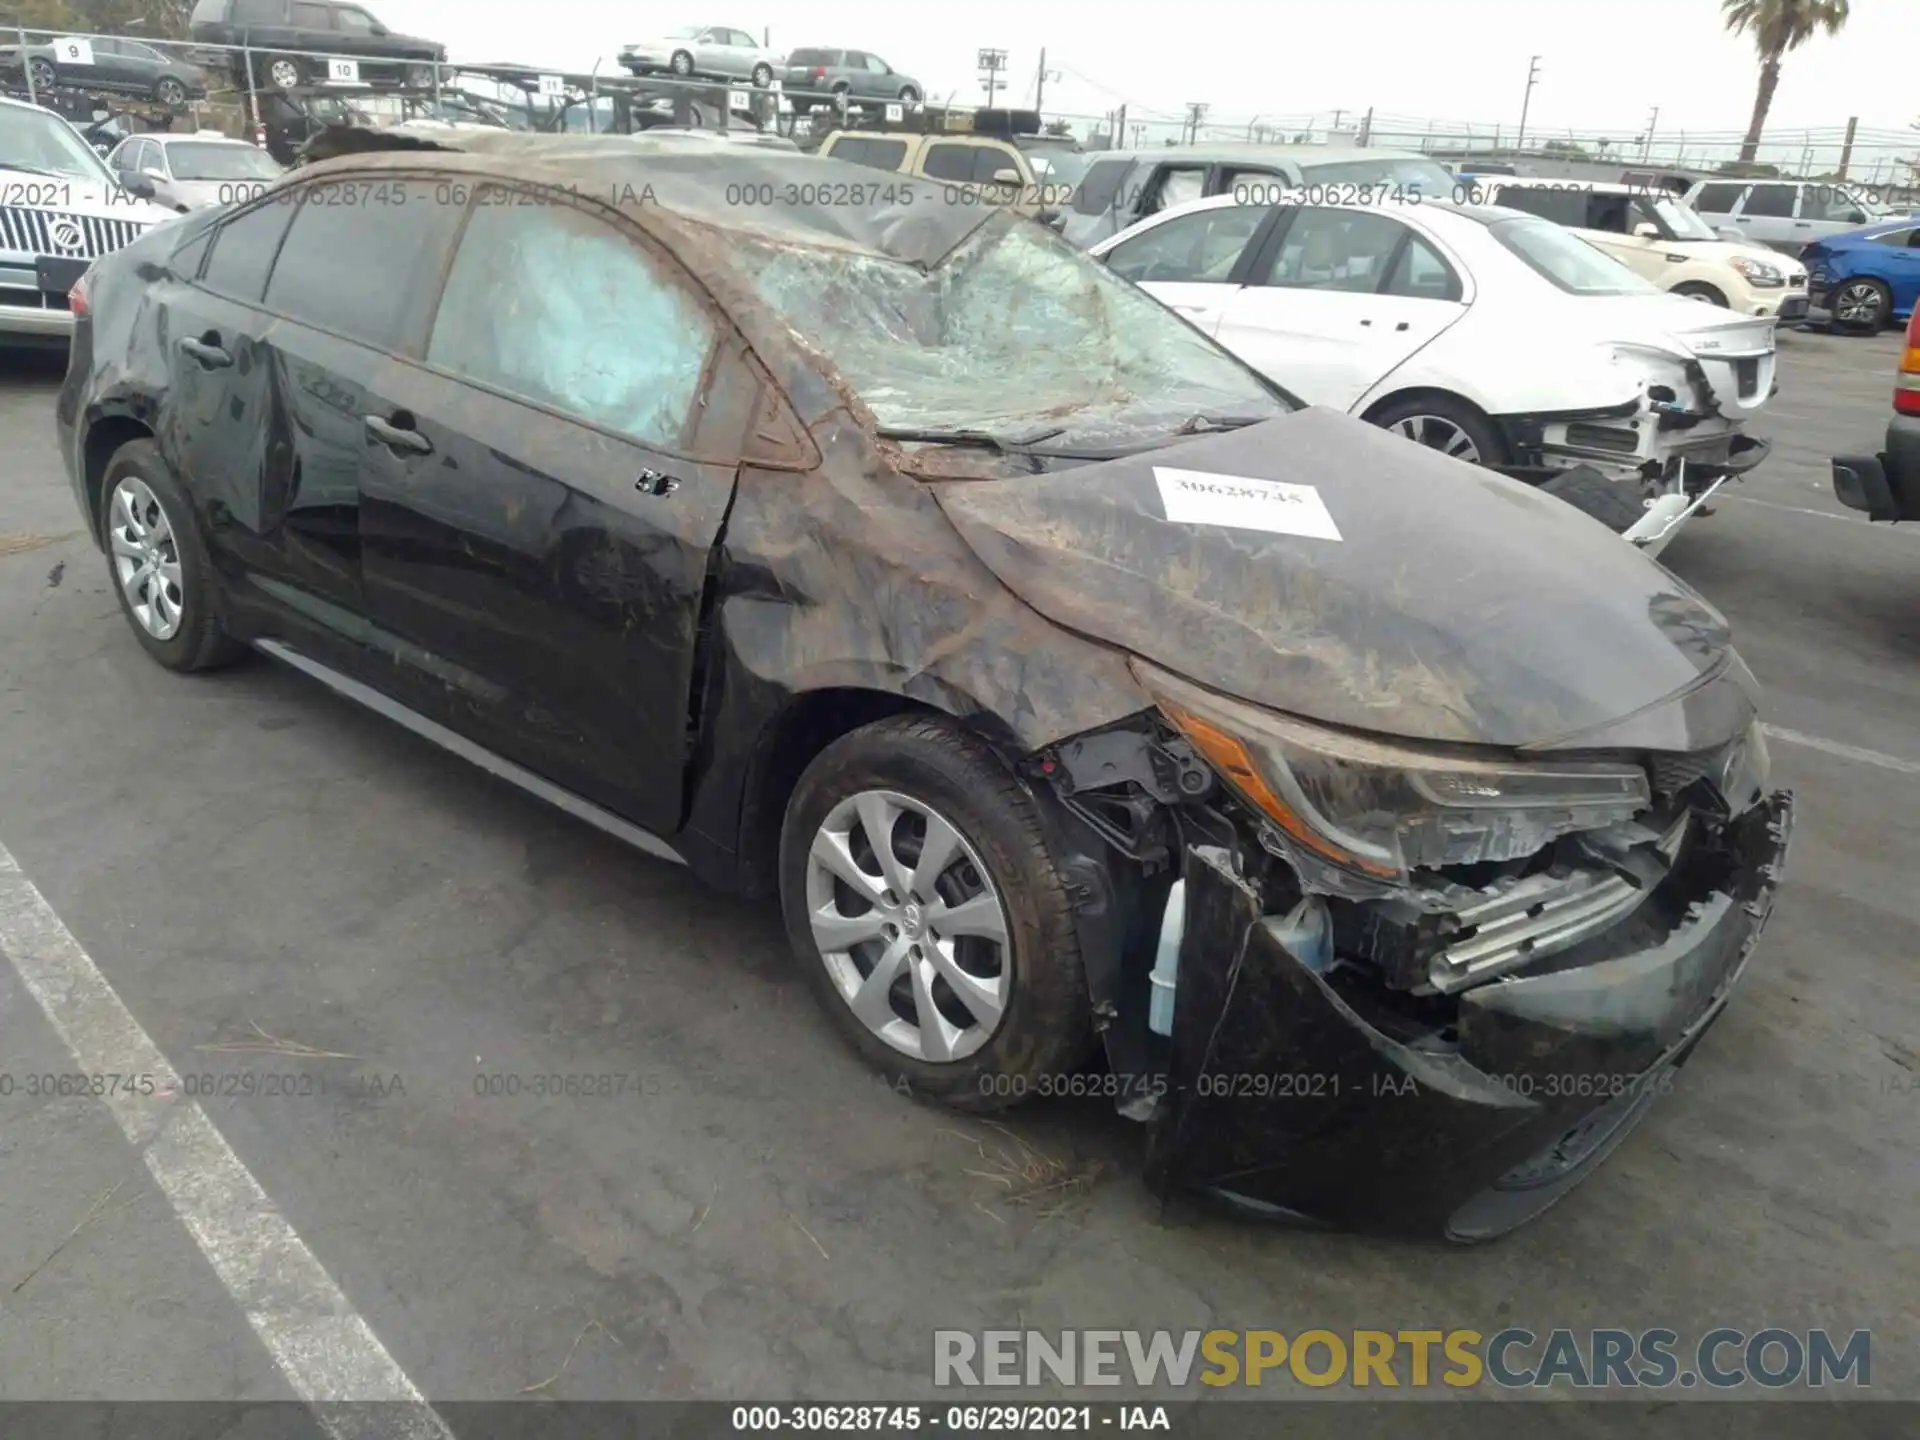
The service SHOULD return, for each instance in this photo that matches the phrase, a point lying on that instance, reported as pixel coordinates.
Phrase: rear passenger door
(544, 491)
(1337, 300)
(1766, 215)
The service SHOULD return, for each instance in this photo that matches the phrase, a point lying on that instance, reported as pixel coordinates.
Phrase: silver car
(190, 172)
(1785, 215)
(816, 76)
(715, 51)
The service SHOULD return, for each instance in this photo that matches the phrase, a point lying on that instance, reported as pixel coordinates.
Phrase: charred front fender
(1293, 1094)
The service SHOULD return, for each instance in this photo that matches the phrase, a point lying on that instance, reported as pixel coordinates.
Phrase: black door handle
(208, 351)
(1366, 322)
(398, 436)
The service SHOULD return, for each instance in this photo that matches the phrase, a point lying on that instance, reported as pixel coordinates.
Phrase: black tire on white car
(1444, 423)
(681, 63)
(1699, 290)
(762, 76)
(909, 845)
(909, 95)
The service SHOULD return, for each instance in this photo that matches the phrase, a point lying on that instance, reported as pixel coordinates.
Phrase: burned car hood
(1326, 568)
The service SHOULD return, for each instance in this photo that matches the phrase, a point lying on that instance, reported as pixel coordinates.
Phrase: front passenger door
(540, 504)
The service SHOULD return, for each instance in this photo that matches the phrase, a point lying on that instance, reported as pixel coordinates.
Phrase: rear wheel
(762, 76)
(42, 73)
(1440, 422)
(681, 64)
(284, 73)
(842, 94)
(1862, 306)
(170, 93)
(160, 569)
(909, 95)
(929, 916)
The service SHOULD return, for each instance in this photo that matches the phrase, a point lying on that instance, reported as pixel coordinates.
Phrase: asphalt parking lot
(275, 883)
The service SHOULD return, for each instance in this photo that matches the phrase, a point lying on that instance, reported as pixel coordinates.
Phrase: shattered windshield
(1015, 326)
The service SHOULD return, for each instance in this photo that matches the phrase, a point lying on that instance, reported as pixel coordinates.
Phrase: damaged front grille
(1673, 773)
(1540, 915)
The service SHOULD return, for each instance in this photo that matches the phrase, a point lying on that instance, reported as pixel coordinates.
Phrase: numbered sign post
(896, 112)
(343, 72)
(72, 50)
(739, 100)
(553, 87)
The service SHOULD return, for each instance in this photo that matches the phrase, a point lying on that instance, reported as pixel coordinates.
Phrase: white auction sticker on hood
(1240, 502)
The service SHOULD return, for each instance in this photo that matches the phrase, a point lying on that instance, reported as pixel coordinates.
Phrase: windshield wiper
(1212, 424)
(33, 170)
(981, 439)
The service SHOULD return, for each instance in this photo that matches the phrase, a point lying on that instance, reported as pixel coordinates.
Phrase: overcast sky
(1605, 63)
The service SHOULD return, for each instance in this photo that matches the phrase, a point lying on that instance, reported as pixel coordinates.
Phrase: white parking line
(325, 1350)
(1843, 752)
(1820, 514)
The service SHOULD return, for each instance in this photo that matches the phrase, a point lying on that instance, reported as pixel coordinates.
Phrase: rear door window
(949, 160)
(1771, 201)
(1718, 199)
(362, 259)
(1346, 250)
(243, 251)
(1421, 274)
(558, 307)
(1175, 185)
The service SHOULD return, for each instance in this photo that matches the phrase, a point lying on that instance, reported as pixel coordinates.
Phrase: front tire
(284, 73)
(762, 76)
(929, 916)
(159, 567)
(909, 95)
(171, 93)
(1443, 423)
(43, 77)
(1862, 306)
(1697, 290)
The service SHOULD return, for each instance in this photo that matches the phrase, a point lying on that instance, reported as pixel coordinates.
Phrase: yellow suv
(989, 167)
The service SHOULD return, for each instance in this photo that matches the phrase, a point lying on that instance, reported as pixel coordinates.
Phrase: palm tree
(1777, 26)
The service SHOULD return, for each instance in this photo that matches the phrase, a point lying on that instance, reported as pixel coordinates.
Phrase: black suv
(295, 41)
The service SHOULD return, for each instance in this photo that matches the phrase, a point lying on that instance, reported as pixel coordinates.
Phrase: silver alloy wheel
(681, 63)
(171, 93)
(909, 925)
(284, 73)
(1437, 432)
(1857, 304)
(146, 558)
(43, 76)
(762, 76)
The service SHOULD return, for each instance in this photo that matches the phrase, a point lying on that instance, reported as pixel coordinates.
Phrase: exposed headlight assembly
(1381, 809)
(1759, 272)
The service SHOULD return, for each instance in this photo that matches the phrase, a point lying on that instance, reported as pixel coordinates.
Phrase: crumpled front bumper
(1286, 1098)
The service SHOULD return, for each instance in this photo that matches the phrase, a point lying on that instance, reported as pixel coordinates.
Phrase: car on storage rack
(1785, 215)
(1656, 236)
(924, 575)
(60, 210)
(984, 165)
(711, 51)
(294, 43)
(814, 76)
(187, 172)
(109, 65)
(1494, 336)
(1863, 278)
(1887, 485)
(1123, 187)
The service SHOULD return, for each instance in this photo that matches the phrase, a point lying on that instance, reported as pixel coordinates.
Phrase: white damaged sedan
(1494, 336)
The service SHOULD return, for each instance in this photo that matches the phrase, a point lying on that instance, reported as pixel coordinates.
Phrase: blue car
(1864, 278)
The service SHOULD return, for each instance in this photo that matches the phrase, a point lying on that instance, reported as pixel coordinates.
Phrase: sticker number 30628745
(1240, 502)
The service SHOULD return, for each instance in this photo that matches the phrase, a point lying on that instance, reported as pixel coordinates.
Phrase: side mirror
(1647, 232)
(1007, 176)
(1856, 217)
(140, 185)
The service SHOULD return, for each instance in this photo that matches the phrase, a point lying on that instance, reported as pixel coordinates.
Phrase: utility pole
(1040, 83)
(1646, 144)
(1846, 148)
(1120, 128)
(1196, 112)
(1533, 78)
(991, 63)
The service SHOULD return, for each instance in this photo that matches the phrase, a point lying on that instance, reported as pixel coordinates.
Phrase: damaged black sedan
(1393, 830)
